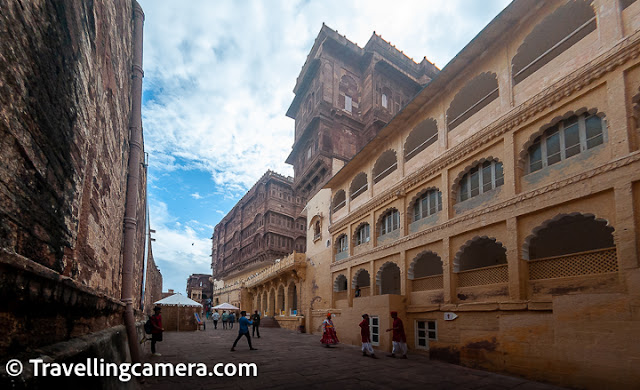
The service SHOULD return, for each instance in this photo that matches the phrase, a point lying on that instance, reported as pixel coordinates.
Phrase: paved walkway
(290, 360)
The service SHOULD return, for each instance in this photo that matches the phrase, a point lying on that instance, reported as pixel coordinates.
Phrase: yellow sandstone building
(498, 212)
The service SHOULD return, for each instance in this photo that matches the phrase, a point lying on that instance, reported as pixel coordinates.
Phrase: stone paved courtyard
(290, 360)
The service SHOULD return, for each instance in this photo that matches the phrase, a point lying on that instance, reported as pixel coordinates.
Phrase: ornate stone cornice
(624, 51)
(607, 167)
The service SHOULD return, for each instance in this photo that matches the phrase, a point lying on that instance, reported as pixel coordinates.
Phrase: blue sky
(218, 81)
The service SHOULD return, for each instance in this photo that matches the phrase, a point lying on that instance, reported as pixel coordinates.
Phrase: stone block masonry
(65, 103)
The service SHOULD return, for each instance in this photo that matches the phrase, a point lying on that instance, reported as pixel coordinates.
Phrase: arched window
(386, 98)
(481, 178)
(476, 94)
(317, 232)
(388, 278)
(362, 234)
(339, 200)
(566, 139)
(427, 204)
(389, 222)
(342, 244)
(570, 245)
(361, 278)
(423, 135)
(385, 164)
(555, 34)
(480, 252)
(359, 185)
(348, 91)
(425, 264)
(340, 284)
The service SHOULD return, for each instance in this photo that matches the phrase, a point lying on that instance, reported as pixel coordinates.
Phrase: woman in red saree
(329, 336)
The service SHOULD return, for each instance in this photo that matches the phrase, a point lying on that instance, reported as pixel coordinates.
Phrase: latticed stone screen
(483, 276)
(584, 263)
(427, 283)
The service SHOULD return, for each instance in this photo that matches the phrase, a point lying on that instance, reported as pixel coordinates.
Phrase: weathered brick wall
(65, 100)
(153, 285)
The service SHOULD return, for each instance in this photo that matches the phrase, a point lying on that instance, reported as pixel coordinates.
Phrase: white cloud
(219, 79)
(178, 247)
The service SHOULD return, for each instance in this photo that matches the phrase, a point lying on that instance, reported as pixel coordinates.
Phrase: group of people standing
(228, 319)
(399, 339)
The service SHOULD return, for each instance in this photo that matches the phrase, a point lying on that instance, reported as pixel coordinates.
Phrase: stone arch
(493, 253)
(339, 200)
(265, 300)
(336, 244)
(580, 232)
(423, 135)
(386, 163)
(272, 302)
(280, 299)
(340, 283)
(292, 295)
(359, 185)
(388, 278)
(426, 263)
(524, 152)
(553, 35)
(354, 237)
(472, 97)
(418, 196)
(476, 163)
(382, 217)
(361, 278)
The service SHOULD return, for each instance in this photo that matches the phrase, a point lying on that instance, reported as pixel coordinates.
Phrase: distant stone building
(344, 95)
(72, 179)
(497, 212)
(265, 225)
(199, 287)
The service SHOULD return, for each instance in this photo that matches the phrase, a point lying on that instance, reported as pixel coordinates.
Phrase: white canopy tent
(226, 306)
(175, 302)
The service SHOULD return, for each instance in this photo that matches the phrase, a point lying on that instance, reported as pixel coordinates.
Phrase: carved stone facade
(498, 212)
(344, 95)
(202, 285)
(264, 226)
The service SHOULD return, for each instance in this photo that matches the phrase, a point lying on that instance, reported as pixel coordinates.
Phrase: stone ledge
(548, 306)
(478, 306)
(512, 305)
(422, 308)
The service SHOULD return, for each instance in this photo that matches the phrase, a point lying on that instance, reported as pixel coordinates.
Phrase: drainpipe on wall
(133, 182)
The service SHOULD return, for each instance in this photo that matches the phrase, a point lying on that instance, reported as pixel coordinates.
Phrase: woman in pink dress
(329, 336)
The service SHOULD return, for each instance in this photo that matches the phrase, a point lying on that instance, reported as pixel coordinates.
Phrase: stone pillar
(448, 277)
(286, 300)
(618, 129)
(517, 283)
(403, 272)
(625, 229)
(510, 165)
(373, 290)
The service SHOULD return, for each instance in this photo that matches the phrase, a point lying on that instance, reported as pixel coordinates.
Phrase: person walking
(329, 336)
(399, 338)
(156, 329)
(256, 324)
(232, 319)
(366, 337)
(225, 319)
(243, 330)
(216, 317)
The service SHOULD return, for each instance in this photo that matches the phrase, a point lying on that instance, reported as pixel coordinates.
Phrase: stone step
(269, 322)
